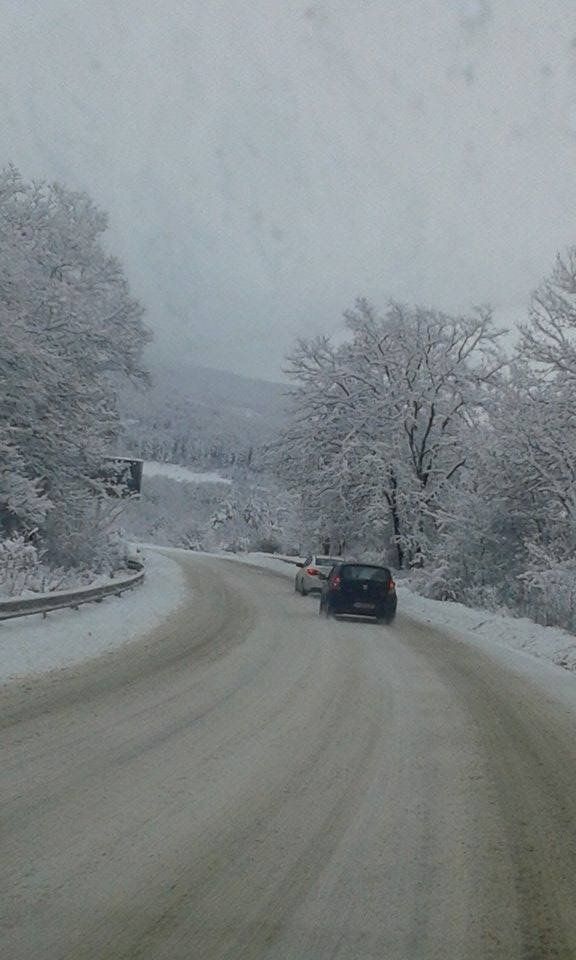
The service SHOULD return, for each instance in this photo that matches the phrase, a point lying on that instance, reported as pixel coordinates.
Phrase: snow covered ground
(32, 645)
(173, 471)
(67, 637)
(517, 633)
(487, 628)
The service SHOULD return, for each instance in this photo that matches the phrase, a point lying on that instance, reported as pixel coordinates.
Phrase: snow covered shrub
(22, 571)
(433, 582)
(19, 566)
(210, 516)
(550, 589)
(266, 545)
(21, 501)
(84, 535)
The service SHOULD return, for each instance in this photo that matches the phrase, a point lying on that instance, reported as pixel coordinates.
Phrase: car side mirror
(298, 564)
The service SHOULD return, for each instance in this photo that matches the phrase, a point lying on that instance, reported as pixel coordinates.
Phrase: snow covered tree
(549, 337)
(548, 352)
(378, 424)
(508, 530)
(68, 331)
(21, 502)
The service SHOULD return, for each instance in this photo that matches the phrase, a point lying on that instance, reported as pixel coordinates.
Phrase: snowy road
(254, 782)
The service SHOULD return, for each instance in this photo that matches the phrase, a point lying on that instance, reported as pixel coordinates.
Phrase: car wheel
(387, 617)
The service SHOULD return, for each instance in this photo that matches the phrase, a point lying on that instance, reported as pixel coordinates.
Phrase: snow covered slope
(265, 162)
(195, 415)
(173, 471)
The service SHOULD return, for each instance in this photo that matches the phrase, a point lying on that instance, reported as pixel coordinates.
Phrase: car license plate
(364, 606)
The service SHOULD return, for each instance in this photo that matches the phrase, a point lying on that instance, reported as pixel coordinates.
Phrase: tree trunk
(396, 520)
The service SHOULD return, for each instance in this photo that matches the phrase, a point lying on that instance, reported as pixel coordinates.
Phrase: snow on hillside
(206, 418)
(263, 163)
(173, 471)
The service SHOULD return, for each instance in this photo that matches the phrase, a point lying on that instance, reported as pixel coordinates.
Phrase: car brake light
(312, 571)
(391, 584)
(335, 583)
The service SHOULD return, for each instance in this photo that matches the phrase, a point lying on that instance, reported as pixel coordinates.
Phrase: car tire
(387, 618)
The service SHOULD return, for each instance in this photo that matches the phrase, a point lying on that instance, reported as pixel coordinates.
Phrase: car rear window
(362, 572)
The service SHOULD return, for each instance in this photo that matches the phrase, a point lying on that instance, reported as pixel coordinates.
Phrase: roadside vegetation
(422, 440)
(69, 334)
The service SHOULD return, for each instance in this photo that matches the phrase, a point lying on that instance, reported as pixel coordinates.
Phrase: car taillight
(312, 571)
(335, 583)
(391, 584)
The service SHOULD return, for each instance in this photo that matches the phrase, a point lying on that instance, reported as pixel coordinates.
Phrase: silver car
(312, 573)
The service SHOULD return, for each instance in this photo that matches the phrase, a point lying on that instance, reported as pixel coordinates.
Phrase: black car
(361, 590)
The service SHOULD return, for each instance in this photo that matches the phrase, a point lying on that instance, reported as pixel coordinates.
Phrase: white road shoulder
(34, 645)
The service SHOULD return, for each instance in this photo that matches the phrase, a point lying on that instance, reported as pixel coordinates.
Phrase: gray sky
(264, 163)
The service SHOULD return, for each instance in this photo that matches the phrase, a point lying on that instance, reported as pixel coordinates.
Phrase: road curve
(251, 782)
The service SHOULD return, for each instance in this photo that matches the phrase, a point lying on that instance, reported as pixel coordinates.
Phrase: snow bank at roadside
(34, 645)
(517, 633)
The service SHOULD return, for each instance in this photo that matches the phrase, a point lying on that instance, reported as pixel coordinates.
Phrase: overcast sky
(265, 162)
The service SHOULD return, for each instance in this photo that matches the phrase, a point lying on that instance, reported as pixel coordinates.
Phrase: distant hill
(200, 417)
(219, 390)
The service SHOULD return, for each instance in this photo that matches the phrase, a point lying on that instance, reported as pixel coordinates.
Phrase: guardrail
(45, 602)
